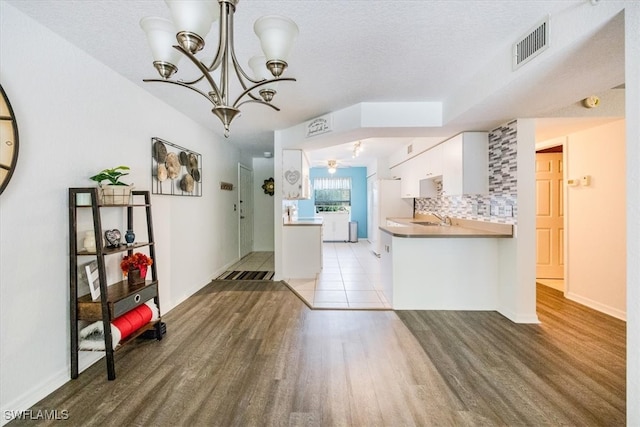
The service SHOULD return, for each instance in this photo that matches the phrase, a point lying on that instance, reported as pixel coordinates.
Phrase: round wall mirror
(8, 140)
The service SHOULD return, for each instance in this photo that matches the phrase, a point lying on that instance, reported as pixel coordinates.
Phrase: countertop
(303, 222)
(459, 228)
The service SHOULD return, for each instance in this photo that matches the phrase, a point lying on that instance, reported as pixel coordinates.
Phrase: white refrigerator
(384, 201)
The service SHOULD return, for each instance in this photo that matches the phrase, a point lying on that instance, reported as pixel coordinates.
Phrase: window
(331, 193)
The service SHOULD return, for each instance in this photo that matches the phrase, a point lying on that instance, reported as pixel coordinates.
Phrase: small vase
(130, 237)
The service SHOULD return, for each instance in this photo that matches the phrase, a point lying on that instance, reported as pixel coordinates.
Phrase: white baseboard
(85, 359)
(519, 318)
(45, 388)
(603, 308)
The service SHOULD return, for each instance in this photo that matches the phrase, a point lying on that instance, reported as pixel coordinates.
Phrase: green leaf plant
(112, 175)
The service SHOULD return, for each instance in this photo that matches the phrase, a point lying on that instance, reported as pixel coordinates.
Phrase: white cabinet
(462, 162)
(409, 179)
(336, 226)
(295, 175)
(423, 166)
(465, 164)
(433, 162)
(302, 251)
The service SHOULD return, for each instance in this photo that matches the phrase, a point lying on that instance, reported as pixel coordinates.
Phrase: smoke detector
(591, 102)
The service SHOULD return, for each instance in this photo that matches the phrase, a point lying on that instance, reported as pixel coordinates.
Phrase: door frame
(245, 203)
(556, 142)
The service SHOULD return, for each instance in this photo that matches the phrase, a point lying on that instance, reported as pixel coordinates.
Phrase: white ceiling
(352, 51)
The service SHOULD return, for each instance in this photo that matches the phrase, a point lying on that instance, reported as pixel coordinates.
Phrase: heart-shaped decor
(292, 176)
(113, 237)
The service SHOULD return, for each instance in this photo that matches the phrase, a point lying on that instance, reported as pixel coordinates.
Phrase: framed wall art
(175, 170)
(91, 274)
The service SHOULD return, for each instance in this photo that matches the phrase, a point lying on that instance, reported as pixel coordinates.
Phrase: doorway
(550, 217)
(245, 211)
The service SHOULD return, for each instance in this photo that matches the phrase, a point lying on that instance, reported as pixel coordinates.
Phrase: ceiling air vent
(531, 44)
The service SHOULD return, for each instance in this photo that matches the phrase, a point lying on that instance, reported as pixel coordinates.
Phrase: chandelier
(357, 149)
(192, 20)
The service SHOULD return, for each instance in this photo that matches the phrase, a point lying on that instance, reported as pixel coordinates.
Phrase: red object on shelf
(132, 320)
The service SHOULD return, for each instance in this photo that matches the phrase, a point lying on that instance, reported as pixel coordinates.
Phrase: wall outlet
(494, 210)
(508, 210)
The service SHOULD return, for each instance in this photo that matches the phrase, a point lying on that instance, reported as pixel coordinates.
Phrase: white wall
(517, 292)
(596, 218)
(632, 110)
(262, 205)
(76, 117)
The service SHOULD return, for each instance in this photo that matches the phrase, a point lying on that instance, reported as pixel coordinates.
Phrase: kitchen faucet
(444, 220)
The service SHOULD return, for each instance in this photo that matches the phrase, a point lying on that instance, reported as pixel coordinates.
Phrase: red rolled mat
(132, 320)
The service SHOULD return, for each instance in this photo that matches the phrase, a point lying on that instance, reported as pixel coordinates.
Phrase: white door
(245, 201)
(549, 216)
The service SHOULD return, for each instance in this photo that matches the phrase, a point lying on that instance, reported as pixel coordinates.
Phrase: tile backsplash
(500, 205)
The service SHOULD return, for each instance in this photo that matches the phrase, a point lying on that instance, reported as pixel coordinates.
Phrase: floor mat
(246, 275)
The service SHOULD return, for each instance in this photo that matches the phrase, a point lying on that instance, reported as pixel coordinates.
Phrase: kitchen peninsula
(302, 247)
(437, 267)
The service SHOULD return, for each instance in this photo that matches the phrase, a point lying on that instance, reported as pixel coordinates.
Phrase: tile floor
(350, 280)
(254, 261)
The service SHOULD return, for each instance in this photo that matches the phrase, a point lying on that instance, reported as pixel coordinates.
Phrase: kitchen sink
(425, 223)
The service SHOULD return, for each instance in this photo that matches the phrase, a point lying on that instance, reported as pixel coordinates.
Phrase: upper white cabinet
(295, 175)
(409, 179)
(423, 166)
(430, 163)
(462, 163)
(465, 164)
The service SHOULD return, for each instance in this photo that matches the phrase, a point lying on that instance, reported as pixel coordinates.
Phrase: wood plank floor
(252, 354)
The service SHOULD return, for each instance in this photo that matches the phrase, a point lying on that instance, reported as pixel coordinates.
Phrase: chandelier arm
(174, 82)
(262, 83)
(258, 101)
(203, 70)
(240, 71)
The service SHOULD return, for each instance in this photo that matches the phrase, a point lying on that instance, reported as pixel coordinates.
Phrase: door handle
(241, 217)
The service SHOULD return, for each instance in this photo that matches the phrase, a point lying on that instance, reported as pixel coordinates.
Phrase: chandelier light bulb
(277, 36)
(261, 72)
(161, 34)
(193, 19)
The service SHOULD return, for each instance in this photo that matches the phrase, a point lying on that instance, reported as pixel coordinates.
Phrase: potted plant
(134, 267)
(114, 191)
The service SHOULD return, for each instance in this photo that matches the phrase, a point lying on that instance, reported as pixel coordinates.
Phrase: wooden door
(549, 216)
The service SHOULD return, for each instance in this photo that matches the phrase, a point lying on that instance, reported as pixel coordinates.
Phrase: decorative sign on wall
(226, 186)
(319, 126)
(175, 170)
